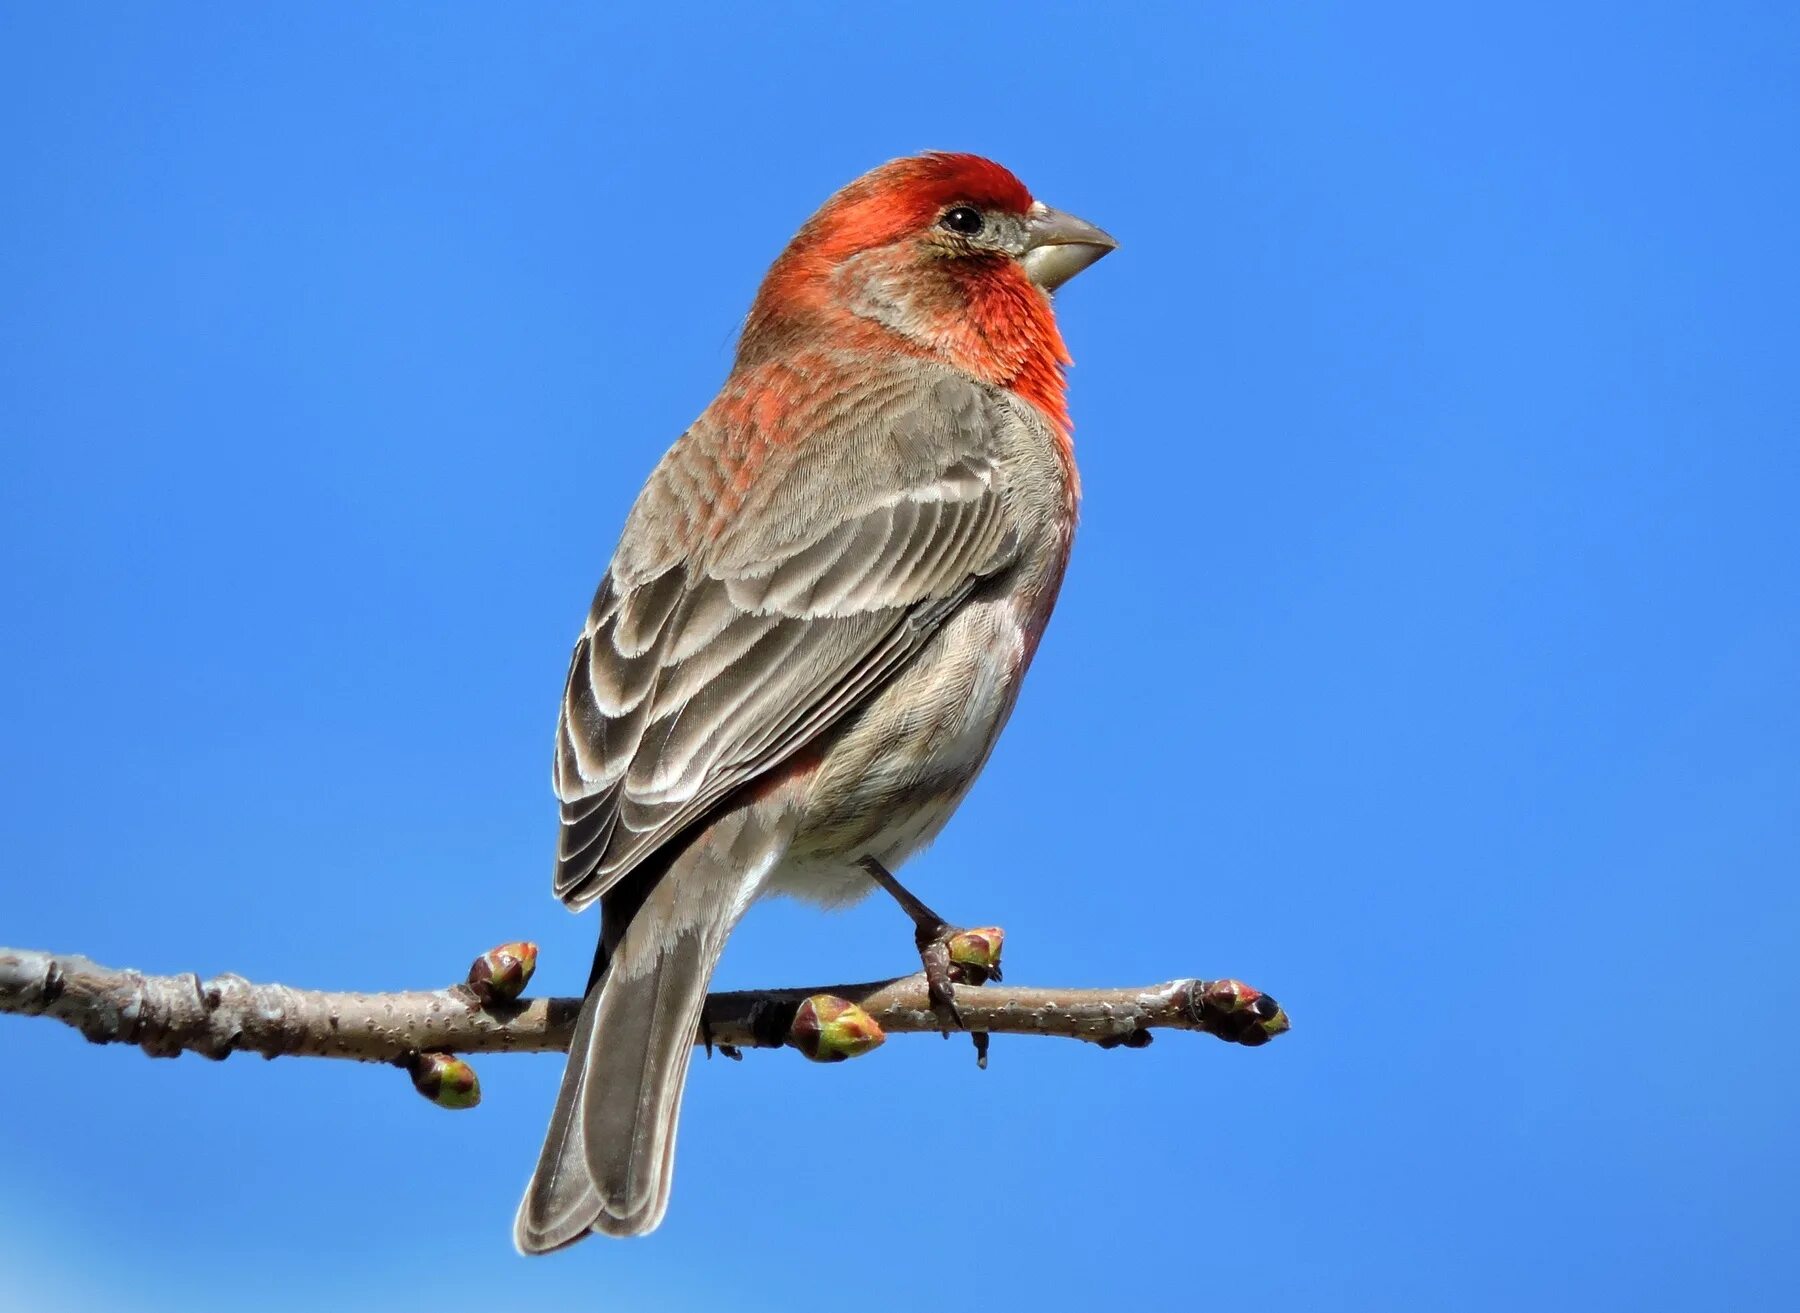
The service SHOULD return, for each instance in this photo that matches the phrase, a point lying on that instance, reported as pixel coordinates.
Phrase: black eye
(963, 219)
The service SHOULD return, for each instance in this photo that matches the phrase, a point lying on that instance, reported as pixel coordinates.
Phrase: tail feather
(632, 1100)
(609, 1156)
(560, 1204)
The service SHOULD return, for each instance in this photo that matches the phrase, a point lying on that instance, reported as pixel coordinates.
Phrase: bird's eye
(964, 219)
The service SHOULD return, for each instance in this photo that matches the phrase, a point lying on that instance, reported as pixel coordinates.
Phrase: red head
(939, 255)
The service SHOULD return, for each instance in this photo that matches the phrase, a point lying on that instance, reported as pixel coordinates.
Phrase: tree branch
(170, 1015)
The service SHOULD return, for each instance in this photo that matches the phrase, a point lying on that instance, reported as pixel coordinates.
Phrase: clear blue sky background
(1429, 655)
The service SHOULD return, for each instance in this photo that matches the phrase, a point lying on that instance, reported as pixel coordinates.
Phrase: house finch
(813, 628)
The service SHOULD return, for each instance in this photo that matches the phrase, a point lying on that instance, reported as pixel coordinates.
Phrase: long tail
(609, 1155)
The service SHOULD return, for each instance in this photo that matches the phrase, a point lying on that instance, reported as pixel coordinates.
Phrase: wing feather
(709, 659)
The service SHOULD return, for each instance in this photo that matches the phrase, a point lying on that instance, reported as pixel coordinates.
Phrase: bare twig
(169, 1015)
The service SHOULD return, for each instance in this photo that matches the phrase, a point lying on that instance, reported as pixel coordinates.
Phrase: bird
(812, 630)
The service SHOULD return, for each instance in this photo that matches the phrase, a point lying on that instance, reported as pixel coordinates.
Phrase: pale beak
(1059, 246)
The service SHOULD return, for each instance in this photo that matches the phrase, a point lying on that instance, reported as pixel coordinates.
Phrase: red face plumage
(903, 198)
(870, 271)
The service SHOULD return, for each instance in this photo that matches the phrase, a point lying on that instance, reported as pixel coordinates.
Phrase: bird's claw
(940, 984)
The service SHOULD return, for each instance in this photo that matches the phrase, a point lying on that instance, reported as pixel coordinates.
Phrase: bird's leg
(939, 943)
(932, 934)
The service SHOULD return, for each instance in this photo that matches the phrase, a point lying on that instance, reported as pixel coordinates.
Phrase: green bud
(827, 1028)
(501, 974)
(446, 1080)
(975, 954)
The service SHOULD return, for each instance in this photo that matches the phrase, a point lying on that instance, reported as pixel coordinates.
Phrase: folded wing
(722, 641)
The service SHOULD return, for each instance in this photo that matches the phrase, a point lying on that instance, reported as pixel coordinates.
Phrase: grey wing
(699, 671)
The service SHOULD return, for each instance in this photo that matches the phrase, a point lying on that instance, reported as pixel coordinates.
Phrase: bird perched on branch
(812, 631)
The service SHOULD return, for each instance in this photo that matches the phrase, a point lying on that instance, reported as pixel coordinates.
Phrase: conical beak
(1059, 246)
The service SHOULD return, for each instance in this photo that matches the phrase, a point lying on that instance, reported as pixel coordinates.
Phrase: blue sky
(1428, 657)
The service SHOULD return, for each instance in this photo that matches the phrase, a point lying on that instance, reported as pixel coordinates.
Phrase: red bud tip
(1230, 995)
(501, 974)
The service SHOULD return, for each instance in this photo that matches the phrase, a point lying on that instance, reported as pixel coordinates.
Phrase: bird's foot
(950, 955)
(933, 940)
